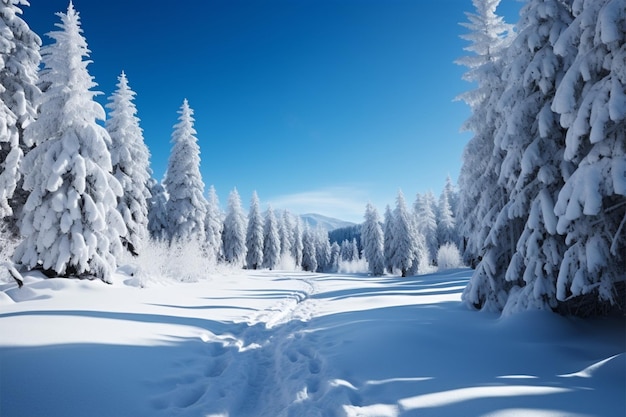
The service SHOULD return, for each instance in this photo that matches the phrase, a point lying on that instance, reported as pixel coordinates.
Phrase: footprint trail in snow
(267, 366)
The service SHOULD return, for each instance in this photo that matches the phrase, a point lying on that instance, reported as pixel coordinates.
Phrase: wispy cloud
(341, 202)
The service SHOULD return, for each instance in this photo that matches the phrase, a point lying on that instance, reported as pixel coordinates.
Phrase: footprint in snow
(292, 356)
(216, 368)
(187, 396)
(315, 366)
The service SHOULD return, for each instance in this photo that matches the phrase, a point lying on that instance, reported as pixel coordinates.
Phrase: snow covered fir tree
(373, 241)
(539, 211)
(271, 240)
(556, 137)
(70, 223)
(131, 164)
(254, 235)
(234, 231)
(186, 206)
(19, 94)
(214, 226)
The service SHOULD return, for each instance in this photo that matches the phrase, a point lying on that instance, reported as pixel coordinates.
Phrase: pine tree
(343, 250)
(354, 249)
(234, 231)
(347, 254)
(298, 246)
(157, 213)
(452, 195)
(186, 205)
(450, 192)
(373, 241)
(309, 256)
(481, 196)
(70, 222)
(424, 212)
(19, 61)
(388, 237)
(254, 235)
(405, 238)
(271, 240)
(446, 223)
(131, 164)
(213, 225)
(533, 143)
(286, 234)
(335, 256)
(322, 250)
(591, 206)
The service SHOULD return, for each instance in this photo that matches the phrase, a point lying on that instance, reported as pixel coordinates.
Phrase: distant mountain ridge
(325, 222)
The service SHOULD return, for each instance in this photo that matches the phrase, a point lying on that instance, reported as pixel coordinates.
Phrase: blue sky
(318, 105)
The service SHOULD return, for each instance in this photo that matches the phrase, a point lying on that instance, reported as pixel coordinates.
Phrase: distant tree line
(408, 241)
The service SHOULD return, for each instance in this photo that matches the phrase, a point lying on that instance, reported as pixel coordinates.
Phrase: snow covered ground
(296, 344)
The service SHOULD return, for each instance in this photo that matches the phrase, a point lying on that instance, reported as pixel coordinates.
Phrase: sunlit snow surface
(296, 344)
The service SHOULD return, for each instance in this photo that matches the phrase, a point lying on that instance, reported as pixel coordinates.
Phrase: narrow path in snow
(261, 367)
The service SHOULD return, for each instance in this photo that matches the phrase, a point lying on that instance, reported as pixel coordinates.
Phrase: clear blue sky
(318, 105)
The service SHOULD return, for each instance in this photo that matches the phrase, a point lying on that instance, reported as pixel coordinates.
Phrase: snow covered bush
(358, 266)
(7, 248)
(286, 262)
(161, 262)
(449, 257)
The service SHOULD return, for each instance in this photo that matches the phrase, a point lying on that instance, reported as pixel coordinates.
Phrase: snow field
(267, 343)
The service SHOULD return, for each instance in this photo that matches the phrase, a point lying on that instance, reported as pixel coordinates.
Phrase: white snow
(273, 343)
